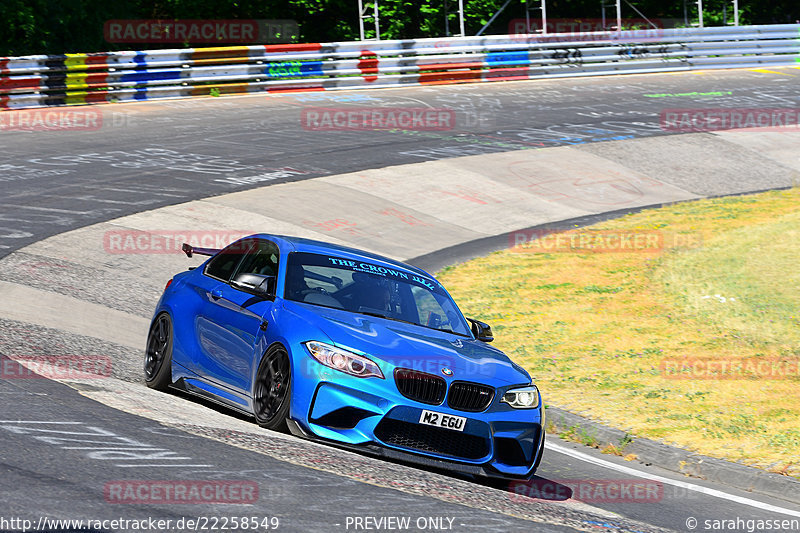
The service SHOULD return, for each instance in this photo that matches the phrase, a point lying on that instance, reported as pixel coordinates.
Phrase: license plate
(441, 420)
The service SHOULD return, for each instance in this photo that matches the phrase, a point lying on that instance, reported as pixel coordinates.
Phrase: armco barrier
(36, 81)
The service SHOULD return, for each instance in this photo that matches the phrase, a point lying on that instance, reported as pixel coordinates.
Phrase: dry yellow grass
(594, 328)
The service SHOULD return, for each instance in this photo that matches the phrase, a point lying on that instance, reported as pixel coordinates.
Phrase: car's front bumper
(371, 415)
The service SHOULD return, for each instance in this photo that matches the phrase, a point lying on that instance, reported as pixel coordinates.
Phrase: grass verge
(696, 345)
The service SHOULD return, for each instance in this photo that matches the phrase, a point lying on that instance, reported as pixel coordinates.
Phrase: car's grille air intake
(419, 386)
(429, 439)
(472, 397)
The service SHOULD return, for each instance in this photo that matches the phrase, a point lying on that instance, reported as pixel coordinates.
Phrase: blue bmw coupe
(347, 347)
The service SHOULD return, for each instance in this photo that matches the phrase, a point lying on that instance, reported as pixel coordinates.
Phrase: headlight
(522, 398)
(343, 360)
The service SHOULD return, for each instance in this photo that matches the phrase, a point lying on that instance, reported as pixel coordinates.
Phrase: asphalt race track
(64, 446)
(153, 154)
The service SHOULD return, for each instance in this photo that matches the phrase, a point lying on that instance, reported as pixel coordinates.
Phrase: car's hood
(409, 346)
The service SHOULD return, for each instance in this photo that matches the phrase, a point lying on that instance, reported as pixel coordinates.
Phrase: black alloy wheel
(272, 390)
(158, 355)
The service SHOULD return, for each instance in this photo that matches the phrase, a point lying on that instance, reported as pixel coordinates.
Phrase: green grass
(755, 270)
(594, 328)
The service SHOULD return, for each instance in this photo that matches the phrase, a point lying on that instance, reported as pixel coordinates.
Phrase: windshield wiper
(448, 330)
(380, 315)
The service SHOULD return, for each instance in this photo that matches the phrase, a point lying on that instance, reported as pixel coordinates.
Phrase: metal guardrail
(52, 80)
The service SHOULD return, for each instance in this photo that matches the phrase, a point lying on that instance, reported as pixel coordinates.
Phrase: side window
(223, 264)
(262, 259)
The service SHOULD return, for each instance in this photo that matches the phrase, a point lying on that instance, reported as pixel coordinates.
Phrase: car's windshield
(372, 289)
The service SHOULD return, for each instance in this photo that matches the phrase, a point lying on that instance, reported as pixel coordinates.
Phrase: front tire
(158, 355)
(272, 390)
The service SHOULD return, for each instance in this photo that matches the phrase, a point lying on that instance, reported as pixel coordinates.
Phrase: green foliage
(61, 26)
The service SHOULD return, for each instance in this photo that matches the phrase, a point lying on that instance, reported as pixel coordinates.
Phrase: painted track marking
(682, 484)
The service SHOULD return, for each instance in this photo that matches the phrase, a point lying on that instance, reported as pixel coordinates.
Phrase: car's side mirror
(481, 330)
(255, 284)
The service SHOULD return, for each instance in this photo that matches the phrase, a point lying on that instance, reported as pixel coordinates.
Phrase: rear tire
(273, 389)
(158, 354)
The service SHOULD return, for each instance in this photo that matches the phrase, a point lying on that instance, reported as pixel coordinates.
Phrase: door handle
(216, 294)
